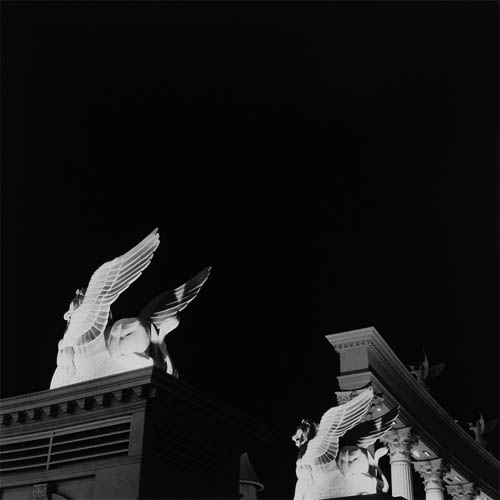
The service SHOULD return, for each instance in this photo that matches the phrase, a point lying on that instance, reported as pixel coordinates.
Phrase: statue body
(333, 460)
(330, 482)
(424, 373)
(480, 428)
(93, 346)
(126, 346)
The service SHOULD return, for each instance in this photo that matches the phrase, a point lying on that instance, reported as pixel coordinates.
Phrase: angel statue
(333, 459)
(95, 346)
(480, 428)
(423, 373)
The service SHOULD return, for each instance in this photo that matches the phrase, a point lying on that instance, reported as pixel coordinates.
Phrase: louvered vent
(68, 446)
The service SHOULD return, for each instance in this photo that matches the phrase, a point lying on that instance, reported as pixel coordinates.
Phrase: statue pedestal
(140, 434)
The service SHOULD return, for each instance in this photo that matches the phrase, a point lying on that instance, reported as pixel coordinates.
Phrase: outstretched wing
(323, 448)
(112, 278)
(435, 370)
(480, 422)
(489, 426)
(168, 304)
(366, 433)
(425, 366)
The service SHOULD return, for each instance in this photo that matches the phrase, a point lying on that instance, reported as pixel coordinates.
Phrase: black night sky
(336, 163)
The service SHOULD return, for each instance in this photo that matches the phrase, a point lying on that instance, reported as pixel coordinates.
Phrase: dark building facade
(139, 434)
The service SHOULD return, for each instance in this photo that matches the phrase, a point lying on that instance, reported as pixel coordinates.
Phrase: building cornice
(109, 395)
(421, 410)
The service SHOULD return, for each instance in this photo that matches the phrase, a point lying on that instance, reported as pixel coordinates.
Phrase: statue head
(75, 303)
(304, 433)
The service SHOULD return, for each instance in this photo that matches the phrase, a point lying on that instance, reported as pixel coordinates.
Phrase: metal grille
(68, 446)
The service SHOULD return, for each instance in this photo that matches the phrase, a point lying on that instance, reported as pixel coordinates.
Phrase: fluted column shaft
(432, 472)
(402, 485)
(400, 442)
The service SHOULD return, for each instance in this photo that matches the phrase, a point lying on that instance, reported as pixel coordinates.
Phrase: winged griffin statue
(425, 373)
(93, 346)
(333, 458)
(480, 429)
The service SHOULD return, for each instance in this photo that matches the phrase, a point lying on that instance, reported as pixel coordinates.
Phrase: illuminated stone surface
(92, 346)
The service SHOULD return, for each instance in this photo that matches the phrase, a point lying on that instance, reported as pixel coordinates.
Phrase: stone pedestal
(400, 443)
(140, 434)
(432, 472)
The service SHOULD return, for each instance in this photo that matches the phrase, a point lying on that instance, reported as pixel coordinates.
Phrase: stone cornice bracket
(466, 491)
(352, 344)
(400, 443)
(432, 472)
(74, 404)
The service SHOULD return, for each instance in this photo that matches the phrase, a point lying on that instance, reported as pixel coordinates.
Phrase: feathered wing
(112, 278)
(425, 366)
(489, 426)
(435, 370)
(323, 448)
(168, 304)
(481, 424)
(366, 433)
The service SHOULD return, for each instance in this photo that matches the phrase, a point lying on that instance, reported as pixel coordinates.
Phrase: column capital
(432, 472)
(400, 442)
(466, 491)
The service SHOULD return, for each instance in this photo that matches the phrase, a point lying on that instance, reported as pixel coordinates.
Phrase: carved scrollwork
(467, 491)
(432, 472)
(400, 443)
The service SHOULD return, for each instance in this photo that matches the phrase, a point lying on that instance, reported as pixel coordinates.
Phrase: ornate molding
(432, 472)
(78, 399)
(357, 339)
(352, 344)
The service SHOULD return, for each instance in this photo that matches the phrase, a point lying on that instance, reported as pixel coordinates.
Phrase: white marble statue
(425, 373)
(333, 459)
(93, 346)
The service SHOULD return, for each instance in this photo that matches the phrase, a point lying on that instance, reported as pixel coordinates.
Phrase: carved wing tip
(155, 234)
(205, 271)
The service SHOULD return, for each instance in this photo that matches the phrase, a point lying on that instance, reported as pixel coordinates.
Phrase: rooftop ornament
(93, 346)
(333, 459)
(480, 428)
(425, 373)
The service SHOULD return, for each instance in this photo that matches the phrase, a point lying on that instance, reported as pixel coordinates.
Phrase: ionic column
(400, 443)
(467, 491)
(432, 472)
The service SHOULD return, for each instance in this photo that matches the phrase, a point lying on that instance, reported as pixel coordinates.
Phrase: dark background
(336, 164)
